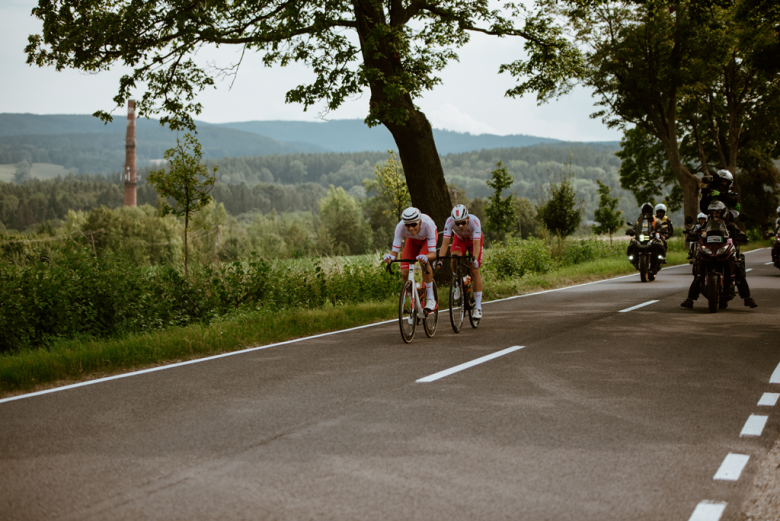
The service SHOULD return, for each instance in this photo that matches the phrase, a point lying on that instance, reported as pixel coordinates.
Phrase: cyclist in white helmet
(421, 236)
(465, 232)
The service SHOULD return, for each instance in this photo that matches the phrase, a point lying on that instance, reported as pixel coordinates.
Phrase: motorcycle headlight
(722, 250)
(642, 237)
(706, 250)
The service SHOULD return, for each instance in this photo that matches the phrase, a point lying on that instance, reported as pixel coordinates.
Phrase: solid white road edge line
(461, 367)
(769, 399)
(775, 378)
(732, 467)
(754, 425)
(708, 511)
(632, 308)
(188, 362)
(223, 355)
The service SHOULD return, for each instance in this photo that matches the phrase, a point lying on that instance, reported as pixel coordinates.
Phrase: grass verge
(78, 360)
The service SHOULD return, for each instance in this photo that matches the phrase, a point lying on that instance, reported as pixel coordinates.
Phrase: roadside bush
(75, 294)
(516, 257)
(577, 252)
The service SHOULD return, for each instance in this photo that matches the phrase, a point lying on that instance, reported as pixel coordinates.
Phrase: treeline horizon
(294, 182)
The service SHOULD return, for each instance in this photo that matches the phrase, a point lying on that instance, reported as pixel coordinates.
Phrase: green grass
(78, 360)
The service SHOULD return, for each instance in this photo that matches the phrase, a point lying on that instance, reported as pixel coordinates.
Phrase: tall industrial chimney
(129, 174)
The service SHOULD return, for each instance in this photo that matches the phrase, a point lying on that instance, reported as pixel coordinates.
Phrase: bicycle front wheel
(432, 320)
(407, 312)
(457, 302)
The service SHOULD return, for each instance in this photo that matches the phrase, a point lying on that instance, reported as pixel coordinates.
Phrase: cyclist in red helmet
(465, 232)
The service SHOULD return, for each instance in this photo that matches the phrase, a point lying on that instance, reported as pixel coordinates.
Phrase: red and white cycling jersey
(471, 232)
(427, 233)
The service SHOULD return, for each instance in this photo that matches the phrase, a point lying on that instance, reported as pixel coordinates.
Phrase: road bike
(461, 292)
(410, 307)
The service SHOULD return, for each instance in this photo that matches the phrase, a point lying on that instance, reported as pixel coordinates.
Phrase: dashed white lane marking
(749, 269)
(768, 263)
(775, 378)
(769, 399)
(708, 511)
(461, 367)
(754, 425)
(732, 467)
(632, 308)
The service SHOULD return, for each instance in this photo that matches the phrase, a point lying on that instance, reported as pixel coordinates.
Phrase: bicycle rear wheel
(457, 305)
(407, 312)
(472, 305)
(432, 320)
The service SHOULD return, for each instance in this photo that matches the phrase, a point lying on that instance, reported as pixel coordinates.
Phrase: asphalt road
(601, 415)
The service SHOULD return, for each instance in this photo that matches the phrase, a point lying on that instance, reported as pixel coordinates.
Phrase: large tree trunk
(422, 166)
(413, 134)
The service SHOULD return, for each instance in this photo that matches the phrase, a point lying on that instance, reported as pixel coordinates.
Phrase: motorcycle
(775, 248)
(648, 249)
(717, 261)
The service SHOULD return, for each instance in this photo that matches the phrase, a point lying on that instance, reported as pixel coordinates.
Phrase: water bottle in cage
(466, 281)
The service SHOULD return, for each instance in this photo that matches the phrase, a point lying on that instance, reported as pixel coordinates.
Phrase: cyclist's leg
(427, 277)
(410, 251)
(476, 277)
(457, 249)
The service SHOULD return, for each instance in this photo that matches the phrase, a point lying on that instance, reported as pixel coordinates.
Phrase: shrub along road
(608, 411)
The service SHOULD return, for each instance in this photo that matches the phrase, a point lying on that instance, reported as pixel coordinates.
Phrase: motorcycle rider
(775, 252)
(646, 214)
(718, 187)
(718, 210)
(664, 226)
(702, 220)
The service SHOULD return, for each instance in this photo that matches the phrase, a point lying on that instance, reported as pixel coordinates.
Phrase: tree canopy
(393, 48)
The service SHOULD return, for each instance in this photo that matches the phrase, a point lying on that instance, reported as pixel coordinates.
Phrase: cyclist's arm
(445, 245)
(477, 247)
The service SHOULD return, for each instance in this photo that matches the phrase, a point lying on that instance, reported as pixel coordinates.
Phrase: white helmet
(702, 216)
(660, 206)
(717, 206)
(460, 212)
(726, 177)
(411, 215)
(778, 210)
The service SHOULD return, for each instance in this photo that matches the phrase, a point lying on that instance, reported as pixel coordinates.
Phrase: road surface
(591, 409)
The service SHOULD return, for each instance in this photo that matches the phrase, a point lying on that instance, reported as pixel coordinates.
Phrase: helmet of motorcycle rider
(717, 209)
(660, 208)
(411, 215)
(701, 217)
(778, 211)
(726, 179)
(459, 213)
(647, 209)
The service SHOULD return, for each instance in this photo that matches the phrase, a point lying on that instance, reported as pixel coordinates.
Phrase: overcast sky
(471, 98)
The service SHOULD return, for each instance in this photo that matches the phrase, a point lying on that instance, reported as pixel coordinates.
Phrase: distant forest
(295, 182)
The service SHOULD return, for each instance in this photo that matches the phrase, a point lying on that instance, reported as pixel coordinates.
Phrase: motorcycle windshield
(644, 230)
(716, 232)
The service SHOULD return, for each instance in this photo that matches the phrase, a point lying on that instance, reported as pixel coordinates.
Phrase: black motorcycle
(647, 249)
(775, 248)
(716, 264)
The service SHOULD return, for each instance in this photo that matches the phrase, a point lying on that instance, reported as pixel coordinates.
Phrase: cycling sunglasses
(412, 225)
(461, 223)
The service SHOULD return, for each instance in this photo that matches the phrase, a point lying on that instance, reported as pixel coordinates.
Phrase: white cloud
(447, 116)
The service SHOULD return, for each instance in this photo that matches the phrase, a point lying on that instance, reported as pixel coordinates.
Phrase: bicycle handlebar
(390, 265)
